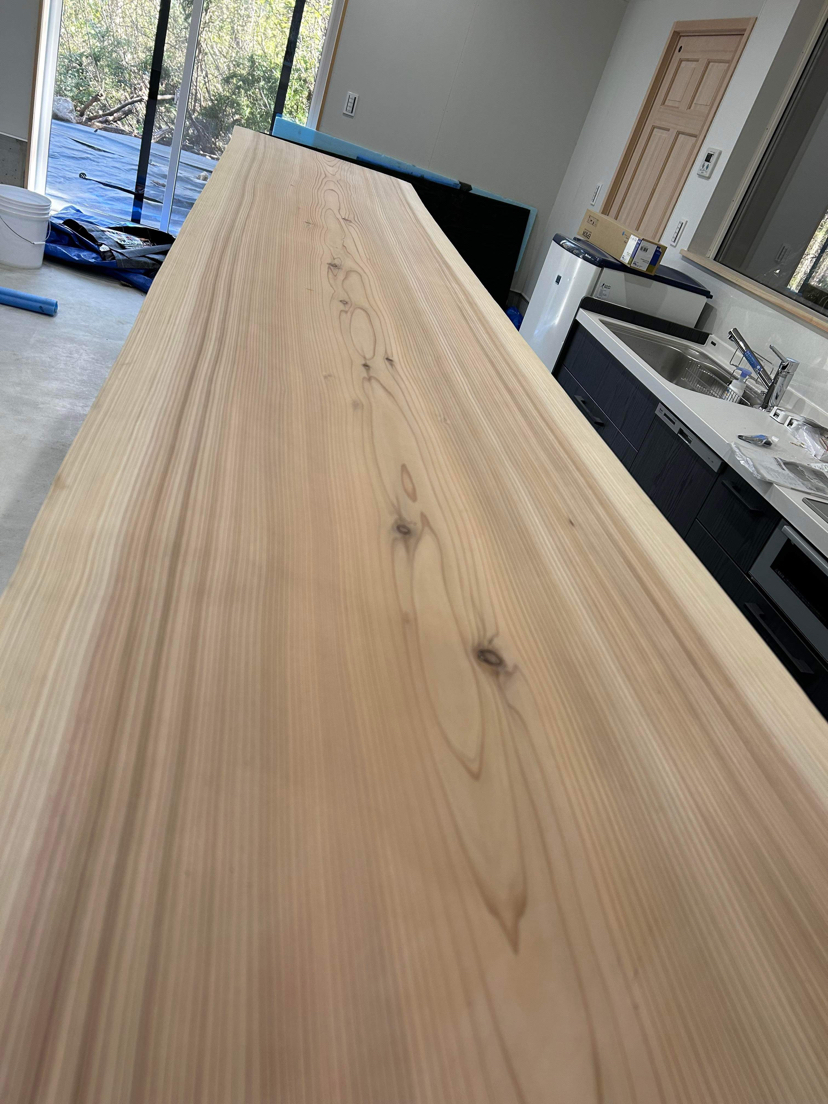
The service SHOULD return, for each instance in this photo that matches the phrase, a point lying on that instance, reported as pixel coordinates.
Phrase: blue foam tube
(36, 303)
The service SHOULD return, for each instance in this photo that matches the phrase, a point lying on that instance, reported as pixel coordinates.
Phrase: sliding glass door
(251, 60)
(101, 107)
(147, 93)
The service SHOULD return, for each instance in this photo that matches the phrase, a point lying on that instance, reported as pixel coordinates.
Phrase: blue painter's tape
(530, 222)
(326, 143)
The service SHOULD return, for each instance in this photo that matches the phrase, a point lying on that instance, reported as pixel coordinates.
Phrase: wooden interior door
(688, 85)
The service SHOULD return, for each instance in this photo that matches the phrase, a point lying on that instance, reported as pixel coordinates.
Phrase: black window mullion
(152, 107)
(287, 61)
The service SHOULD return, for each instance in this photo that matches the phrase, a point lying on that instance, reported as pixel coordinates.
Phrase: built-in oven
(794, 575)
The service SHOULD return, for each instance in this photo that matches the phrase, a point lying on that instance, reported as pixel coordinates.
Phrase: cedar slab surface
(366, 735)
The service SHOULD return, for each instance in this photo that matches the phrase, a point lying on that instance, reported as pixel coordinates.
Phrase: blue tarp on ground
(113, 158)
(64, 244)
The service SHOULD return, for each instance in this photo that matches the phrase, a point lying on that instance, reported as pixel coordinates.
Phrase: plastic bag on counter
(813, 438)
(798, 476)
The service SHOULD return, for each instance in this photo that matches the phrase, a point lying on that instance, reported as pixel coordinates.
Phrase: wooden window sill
(759, 291)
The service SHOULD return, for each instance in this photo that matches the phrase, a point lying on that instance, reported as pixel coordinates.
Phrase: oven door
(795, 577)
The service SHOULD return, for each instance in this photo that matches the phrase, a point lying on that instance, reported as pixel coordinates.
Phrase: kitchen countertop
(718, 424)
(367, 736)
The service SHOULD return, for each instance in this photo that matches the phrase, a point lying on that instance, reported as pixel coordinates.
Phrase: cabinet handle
(695, 443)
(740, 497)
(683, 435)
(759, 615)
(590, 417)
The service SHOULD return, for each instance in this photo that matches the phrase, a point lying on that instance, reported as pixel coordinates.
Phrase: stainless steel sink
(680, 362)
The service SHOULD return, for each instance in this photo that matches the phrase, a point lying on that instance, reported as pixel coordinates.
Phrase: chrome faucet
(784, 375)
(776, 385)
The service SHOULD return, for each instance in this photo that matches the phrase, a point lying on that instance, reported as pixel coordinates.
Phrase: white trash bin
(24, 225)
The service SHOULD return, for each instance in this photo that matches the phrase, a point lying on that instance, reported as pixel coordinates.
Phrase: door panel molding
(668, 93)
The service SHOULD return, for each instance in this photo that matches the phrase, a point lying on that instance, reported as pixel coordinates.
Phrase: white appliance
(575, 269)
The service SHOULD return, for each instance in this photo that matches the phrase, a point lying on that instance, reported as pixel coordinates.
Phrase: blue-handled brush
(11, 298)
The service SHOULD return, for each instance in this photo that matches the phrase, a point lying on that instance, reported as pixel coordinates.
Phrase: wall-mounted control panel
(350, 104)
(709, 161)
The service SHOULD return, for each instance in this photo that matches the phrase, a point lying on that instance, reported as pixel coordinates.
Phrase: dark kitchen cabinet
(586, 360)
(722, 518)
(632, 407)
(590, 409)
(627, 403)
(781, 637)
(604, 391)
(623, 449)
(738, 517)
(675, 469)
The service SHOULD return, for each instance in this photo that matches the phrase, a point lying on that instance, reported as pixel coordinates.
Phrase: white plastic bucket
(24, 224)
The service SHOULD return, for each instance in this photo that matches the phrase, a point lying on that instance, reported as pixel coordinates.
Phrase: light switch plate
(678, 230)
(350, 104)
(595, 194)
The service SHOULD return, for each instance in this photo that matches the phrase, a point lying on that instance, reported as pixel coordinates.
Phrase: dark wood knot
(490, 657)
(403, 528)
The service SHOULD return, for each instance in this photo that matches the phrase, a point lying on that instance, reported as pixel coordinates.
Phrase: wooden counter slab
(366, 735)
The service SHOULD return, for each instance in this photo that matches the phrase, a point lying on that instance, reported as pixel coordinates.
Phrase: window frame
(749, 147)
(48, 42)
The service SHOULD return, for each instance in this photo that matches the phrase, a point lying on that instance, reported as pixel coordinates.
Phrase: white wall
(643, 33)
(490, 92)
(18, 39)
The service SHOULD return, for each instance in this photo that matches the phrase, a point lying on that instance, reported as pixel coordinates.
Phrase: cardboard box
(643, 255)
(623, 244)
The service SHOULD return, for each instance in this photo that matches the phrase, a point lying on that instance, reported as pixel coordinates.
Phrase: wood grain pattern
(367, 735)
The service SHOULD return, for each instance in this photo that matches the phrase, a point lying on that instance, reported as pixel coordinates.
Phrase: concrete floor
(51, 369)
